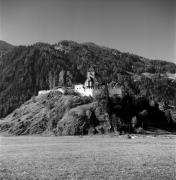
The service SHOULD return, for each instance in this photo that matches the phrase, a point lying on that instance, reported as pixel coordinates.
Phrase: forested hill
(5, 48)
(26, 69)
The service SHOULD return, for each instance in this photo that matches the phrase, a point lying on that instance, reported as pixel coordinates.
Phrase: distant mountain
(24, 70)
(4, 48)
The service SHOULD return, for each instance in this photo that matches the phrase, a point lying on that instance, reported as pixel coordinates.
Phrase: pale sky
(0, 19)
(143, 27)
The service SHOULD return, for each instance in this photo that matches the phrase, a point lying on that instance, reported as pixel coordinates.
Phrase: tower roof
(91, 69)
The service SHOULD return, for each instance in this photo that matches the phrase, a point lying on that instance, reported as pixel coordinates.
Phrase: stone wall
(83, 91)
(51, 90)
(117, 91)
(97, 91)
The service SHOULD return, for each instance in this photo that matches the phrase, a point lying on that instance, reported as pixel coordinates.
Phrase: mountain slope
(25, 70)
(47, 113)
(71, 114)
(4, 48)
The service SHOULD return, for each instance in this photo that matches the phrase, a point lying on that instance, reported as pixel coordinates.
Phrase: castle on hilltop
(92, 87)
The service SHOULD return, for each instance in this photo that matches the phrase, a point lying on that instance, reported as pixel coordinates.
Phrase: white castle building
(92, 87)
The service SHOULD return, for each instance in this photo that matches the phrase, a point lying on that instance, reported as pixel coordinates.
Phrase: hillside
(27, 69)
(4, 48)
(60, 114)
(52, 113)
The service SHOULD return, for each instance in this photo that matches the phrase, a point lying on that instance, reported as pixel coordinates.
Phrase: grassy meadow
(88, 157)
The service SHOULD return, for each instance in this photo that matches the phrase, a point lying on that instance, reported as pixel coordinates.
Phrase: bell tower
(89, 83)
(91, 73)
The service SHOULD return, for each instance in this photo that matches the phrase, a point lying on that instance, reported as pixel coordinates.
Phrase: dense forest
(24, 70)
(5, 48)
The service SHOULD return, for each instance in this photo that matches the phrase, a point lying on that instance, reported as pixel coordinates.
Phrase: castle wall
(88, 92)
(115, 91)
(51, 90)
(43, 92)
(96, 91)
(83, 91)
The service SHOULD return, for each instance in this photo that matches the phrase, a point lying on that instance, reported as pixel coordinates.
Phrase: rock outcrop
(57, 114)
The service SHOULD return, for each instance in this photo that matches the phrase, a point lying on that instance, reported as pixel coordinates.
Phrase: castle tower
(91, 73)
(89, 83)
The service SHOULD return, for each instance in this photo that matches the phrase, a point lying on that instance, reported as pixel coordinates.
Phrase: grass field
(88, 157)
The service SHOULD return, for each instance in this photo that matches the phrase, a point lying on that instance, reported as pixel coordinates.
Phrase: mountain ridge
(87, 43)
(5, 47)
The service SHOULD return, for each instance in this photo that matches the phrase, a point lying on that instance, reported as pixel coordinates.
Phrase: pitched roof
(91, 69)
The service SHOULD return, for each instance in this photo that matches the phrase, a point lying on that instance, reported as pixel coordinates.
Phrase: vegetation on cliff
(58, 114)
